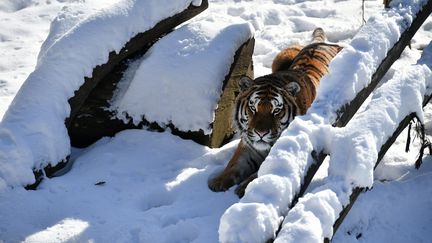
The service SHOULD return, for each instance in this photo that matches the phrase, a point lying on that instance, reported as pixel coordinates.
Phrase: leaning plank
(292, 161)
(356, 150)
(33, 133)
(97, 117)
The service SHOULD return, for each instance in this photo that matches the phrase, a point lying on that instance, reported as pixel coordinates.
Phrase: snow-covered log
(33, 135)
(137, 45)
(356, 150)
(183, 99)
(354, 73)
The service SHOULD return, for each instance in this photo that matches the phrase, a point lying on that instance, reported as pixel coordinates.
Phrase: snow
(149, 195)
(395, 211)
(155, 186)
(185, 53)
(71, 51)
(291, 156)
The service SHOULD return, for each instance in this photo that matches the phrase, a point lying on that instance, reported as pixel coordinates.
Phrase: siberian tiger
(267, 105)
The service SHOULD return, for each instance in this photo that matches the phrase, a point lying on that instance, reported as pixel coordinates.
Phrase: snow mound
(291, 156)
(32, 133)
(180, 79)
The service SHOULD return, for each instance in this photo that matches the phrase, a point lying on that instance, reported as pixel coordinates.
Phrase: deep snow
(155, 184)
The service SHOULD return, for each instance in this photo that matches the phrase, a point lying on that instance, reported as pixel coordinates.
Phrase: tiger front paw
(220, 183)
(240, 190)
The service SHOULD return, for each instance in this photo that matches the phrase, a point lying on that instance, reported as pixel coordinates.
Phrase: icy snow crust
(180, 80)
(32, 132)
(290, 157)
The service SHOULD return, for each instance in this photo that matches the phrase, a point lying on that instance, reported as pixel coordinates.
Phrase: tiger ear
(293, 88)
(244, 83)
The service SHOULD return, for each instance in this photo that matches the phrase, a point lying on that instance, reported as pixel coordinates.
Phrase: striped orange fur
(267, 105)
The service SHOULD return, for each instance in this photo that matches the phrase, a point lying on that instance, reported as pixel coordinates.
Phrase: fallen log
(95, 119)
(137, 45)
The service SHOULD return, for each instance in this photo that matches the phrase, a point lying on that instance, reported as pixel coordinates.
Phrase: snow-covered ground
(152, 187)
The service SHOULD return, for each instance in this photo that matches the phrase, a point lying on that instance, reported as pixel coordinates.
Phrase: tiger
(266, 106)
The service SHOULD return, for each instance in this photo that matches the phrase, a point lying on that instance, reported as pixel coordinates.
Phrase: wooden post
(223, 127)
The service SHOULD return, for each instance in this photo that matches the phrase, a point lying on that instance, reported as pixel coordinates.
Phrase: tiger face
(264, 110)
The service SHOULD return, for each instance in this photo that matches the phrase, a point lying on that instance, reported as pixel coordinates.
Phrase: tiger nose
(261, 134)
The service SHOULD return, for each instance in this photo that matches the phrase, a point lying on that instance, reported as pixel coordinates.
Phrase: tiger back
(267, 105)
(306, 66)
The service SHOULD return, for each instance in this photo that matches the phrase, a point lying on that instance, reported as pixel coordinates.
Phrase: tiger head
(264, 108)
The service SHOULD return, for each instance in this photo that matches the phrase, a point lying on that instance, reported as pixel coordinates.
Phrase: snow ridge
(291, 156)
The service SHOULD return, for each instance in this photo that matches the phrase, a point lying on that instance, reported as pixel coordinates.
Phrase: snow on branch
(354, 152)
(282, 174)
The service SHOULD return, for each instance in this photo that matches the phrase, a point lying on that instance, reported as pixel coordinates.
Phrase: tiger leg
(240, 190)
(235, 172)
(284, 59)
